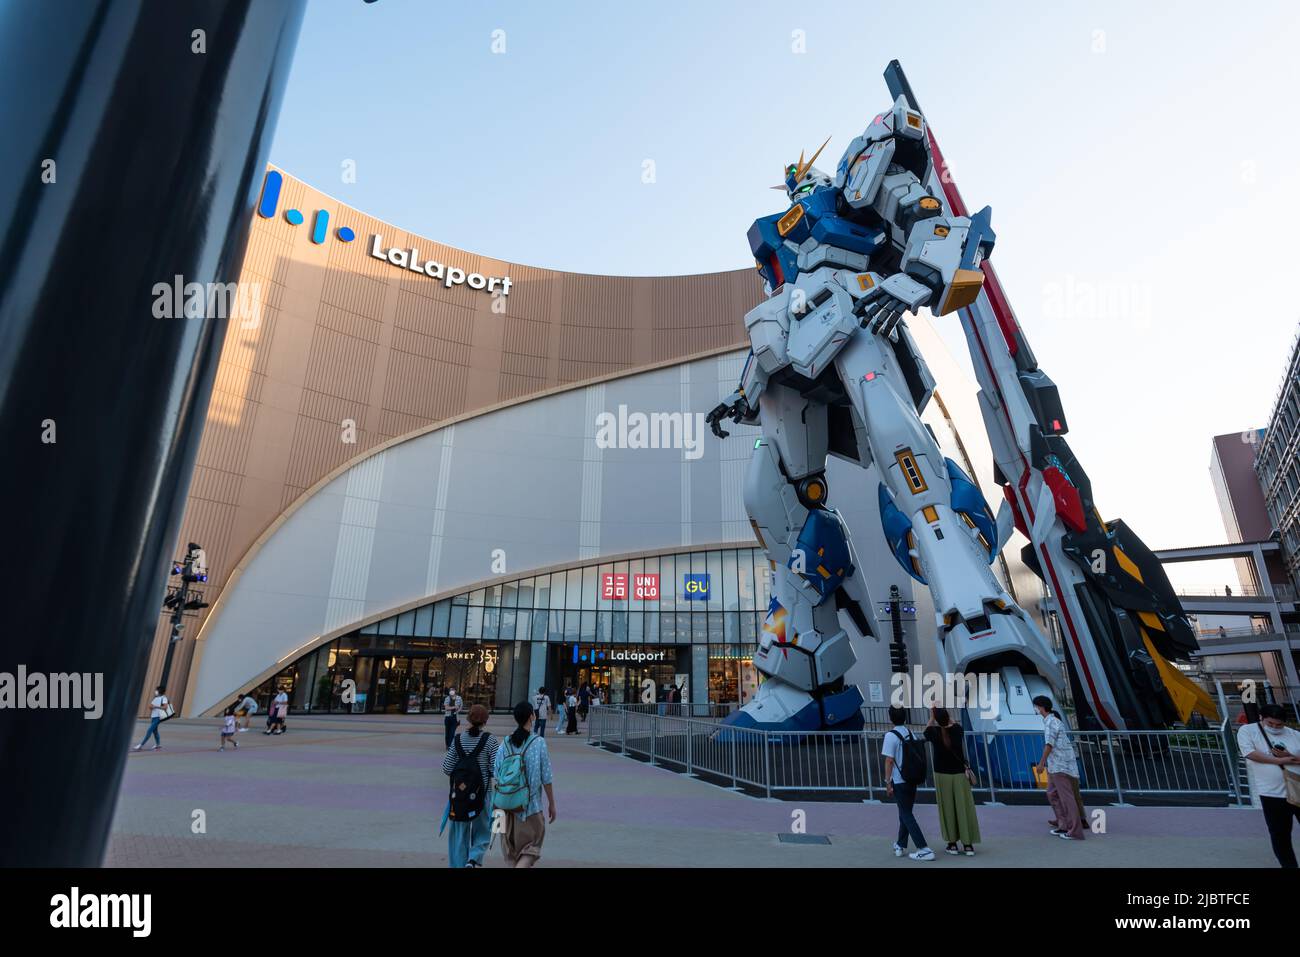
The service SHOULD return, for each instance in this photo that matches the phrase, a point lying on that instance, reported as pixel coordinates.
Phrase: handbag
(1292, 781)
(1040, 775)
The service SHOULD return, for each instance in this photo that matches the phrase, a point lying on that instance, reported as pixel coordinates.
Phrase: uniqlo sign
(613, 587)
(645, 587)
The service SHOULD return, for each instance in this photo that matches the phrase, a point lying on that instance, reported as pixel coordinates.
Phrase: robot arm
(741, 405)
(940, 255)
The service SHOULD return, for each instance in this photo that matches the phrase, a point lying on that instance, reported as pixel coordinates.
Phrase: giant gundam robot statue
(833, 370)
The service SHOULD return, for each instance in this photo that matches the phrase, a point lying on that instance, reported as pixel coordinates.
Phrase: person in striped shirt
(468, 841)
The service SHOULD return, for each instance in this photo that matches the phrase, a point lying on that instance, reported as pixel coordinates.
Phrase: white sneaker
(898, 850)
(924, 854)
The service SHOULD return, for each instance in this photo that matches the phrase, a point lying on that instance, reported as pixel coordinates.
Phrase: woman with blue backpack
(469, 763)
(522, 772)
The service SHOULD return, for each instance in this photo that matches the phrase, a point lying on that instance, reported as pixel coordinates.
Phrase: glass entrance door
(398, 685)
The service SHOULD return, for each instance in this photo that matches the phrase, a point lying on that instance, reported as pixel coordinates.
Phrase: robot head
(802, 178)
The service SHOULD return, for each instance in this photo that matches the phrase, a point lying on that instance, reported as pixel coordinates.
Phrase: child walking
(228, 729)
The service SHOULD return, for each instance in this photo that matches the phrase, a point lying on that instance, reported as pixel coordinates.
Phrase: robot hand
(882, 313)
(883, 307)
(733, 408)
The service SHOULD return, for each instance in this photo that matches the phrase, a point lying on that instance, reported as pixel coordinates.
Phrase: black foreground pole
(136, 132)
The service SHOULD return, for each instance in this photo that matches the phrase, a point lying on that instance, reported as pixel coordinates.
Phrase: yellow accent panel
(823, 571)
(941, 231)
(790, 219)
(1126, 563)
(913, 121)
(929, 203)
(962, 291)
(911, 471)
(931, 513)
(865, 281)
(1151, 620)
(1187, 695)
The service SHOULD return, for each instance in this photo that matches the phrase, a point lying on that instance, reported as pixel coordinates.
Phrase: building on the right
(1277, 466)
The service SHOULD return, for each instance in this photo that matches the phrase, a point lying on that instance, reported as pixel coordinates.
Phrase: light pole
(191, 568)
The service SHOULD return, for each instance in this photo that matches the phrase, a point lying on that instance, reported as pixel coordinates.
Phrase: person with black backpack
(905, 767)
(468, 765)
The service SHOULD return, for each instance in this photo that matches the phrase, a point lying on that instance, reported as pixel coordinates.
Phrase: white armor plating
(835, 324)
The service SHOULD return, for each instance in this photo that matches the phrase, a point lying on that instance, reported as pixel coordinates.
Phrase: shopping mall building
(424, 468)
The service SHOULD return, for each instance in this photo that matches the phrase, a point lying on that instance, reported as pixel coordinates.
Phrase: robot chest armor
(781, 241)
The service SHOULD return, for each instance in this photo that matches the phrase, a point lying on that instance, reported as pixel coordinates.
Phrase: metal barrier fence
(1114, 766)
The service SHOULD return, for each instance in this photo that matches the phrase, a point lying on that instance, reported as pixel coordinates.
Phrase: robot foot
(778, 706)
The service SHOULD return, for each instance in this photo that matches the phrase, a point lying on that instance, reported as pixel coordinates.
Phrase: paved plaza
(368, 791)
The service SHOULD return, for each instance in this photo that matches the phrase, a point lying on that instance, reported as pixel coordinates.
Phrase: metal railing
(1193, 766)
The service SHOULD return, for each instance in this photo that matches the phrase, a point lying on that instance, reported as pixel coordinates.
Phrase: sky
(1140, 161)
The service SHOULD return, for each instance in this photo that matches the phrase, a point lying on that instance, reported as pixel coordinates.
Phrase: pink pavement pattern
(357, 791)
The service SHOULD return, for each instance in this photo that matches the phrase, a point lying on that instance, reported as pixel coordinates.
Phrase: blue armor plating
(824, 553)
(897, 527)
(968, 500)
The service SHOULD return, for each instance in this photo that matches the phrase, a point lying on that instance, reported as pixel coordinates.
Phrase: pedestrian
(274, 716)
(468, 765)
(560, 708)
(572, 708)
(281, 711)
(522, 772)
(228, 730)
(584, 701)
(451, 705)
(1062, 769)
(953, 778)
(905, 768)
(247, 708)
(542, 704)
(1270, 749)
(159, 710)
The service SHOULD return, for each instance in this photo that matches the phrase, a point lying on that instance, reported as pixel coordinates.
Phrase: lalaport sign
(450, 275)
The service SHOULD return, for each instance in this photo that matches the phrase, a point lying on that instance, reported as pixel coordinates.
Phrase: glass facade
(620, 625)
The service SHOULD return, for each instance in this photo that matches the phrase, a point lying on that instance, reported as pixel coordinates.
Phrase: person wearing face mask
(1062, 772)
(1272, 753)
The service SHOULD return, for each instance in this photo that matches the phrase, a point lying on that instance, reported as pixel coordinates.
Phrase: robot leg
(942, 532)
(803, 653)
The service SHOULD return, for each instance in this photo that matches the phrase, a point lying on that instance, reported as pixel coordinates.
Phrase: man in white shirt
(1271, 749)
(451, 705)
(903, 793)
(542, 705)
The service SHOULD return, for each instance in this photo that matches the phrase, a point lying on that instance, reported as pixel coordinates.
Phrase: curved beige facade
(344, 352)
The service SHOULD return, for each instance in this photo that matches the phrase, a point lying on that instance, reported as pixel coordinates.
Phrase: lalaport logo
(403, 258)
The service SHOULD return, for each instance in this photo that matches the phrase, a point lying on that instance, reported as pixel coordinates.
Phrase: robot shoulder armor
(864, 172)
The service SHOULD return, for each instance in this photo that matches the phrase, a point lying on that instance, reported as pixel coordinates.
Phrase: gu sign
(696, 587)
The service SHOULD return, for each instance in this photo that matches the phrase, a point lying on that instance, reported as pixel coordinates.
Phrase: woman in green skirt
(952, 780)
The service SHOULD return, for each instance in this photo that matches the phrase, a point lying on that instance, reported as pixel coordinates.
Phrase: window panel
(573, 589)
(441, 619)
(424, 621)
(713, 568)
